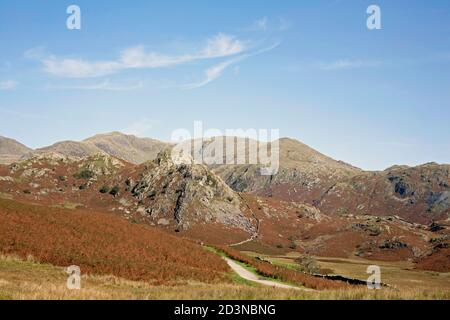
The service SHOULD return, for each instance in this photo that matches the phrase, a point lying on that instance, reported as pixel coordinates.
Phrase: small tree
(83, 186)
(115, 191)
(104, 189)
(307, 264)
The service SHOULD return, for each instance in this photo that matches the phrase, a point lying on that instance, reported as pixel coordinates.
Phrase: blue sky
(310, 68)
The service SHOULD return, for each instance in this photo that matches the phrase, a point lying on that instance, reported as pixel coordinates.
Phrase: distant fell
(11, 150)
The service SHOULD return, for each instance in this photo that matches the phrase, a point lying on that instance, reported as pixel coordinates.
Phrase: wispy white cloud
(213, 73)
(78, 68)
(347, 64)
(105, 86)
(216, 71)
(8, 85)
(221, 45)
(272, 24)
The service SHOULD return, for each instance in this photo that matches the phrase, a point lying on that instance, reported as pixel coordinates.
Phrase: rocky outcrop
(393, 244)
(186, 194)
(418, 194)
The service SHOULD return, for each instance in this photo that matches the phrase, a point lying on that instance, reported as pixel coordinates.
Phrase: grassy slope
(112, 252)
(401, 275)
(21, 279)
(104, 244)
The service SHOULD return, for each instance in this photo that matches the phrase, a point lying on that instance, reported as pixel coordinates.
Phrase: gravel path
(250, 276)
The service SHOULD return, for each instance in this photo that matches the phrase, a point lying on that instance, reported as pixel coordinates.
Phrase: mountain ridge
(92, 145)
(420, 194)
(193, 202)
(127, 147)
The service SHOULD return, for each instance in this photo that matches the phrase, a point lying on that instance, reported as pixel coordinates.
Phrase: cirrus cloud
(216, 71)
(221, 45)
(8, 85)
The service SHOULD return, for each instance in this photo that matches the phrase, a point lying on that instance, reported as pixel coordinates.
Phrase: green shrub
(115, 191)
(83, 186)
(104, 189)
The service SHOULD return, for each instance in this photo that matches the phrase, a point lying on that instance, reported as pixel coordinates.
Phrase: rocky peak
(182, 194)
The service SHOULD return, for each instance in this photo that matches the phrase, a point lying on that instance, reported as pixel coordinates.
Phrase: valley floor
(20, 279)
(399, 275)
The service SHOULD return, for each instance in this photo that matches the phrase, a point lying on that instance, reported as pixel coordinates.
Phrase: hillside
(191, 201)
(11, 150)
(287, 227)
(314, 205)
(418, 194)
(68, 148)
(103, 243)
(127, 147)
(303, 173)
(174, 197)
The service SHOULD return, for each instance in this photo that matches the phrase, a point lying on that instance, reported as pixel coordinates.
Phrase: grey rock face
(186, 194)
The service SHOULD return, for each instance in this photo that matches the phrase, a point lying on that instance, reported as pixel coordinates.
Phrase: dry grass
(20, 279)
(284, 274)
(104, 244)
(400, 275)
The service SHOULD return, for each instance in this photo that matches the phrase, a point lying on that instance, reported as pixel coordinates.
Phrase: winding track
(255, 235)
(247, 275)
